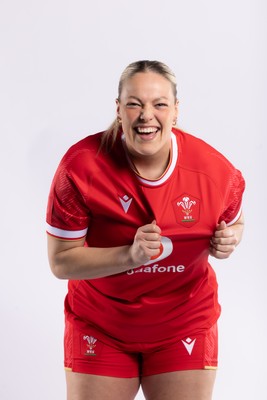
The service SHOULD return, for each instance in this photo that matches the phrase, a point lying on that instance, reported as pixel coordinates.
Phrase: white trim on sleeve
(61, 233)
(236, 218)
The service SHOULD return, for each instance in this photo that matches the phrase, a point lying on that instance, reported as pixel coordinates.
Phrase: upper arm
(238, 227)
(240, 220)
(234, 186)
(55, 246)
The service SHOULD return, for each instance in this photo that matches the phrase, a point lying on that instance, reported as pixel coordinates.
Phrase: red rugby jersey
(96, 193)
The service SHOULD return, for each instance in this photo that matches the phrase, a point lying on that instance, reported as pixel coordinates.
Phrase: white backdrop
(60, 64)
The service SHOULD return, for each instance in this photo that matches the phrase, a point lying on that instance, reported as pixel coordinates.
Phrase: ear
(176, 108)
(118, 107)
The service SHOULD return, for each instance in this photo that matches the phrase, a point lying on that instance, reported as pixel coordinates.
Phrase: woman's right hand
(146, 244)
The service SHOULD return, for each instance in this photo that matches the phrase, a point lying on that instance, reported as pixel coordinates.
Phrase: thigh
(180, 385)
(94, 387)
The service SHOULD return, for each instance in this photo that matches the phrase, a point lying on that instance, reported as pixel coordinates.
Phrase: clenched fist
(147, 242)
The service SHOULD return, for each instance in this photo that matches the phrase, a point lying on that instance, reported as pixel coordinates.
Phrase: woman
(133, 215)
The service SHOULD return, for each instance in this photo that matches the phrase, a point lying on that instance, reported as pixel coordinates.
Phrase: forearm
(90, 263)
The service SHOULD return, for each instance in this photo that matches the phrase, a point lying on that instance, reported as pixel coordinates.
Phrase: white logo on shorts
(189, 344)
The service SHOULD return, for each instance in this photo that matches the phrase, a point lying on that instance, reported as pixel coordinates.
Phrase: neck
(151, 167)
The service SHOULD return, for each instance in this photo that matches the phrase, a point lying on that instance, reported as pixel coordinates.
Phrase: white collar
(169, 170)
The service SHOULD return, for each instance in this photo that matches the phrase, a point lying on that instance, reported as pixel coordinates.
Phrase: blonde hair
(110, 135)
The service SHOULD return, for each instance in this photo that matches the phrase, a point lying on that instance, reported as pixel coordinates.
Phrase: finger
(150, 249)
(155, 254)
(226, 239)
(149, 237)
(224, 248)
(227, 234)
(147, 233)
(217, 254)
(153, 227)
(220, 254)
(153, 245)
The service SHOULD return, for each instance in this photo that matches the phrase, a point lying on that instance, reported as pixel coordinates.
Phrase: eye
(133, 104)
(161, 105)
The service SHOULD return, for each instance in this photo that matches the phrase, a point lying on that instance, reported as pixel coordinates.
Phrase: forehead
(147, 84)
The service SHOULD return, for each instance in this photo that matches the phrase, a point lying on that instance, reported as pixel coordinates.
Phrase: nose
(146, 114)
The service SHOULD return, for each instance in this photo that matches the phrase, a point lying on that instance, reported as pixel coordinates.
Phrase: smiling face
(148, 110)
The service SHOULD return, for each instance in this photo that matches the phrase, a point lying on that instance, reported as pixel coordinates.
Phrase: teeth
(146, 130)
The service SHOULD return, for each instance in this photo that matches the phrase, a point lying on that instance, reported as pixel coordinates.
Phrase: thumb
(221, 226)
(155, 227)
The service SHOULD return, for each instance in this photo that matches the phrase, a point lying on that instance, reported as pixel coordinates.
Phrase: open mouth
(147, 133)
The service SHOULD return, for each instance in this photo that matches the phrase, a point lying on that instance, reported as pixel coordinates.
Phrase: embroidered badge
(90, 345)
(186, 208)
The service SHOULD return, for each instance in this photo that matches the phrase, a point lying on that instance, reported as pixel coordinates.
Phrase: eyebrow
(158, 99)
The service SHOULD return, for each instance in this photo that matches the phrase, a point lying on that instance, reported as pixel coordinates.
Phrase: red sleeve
(235, 186)
(67, 213)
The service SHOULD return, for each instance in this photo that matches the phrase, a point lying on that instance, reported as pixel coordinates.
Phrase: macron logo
(189, 345)
(125, 202)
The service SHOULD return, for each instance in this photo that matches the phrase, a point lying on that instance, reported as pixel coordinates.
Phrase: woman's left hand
(225, 239)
